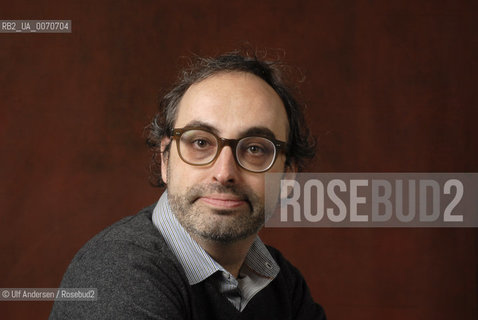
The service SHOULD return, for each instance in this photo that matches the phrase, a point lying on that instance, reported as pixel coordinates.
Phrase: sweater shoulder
(135, 231)
(134, 240)
(289, 275)
(281, 260)
(132, 268)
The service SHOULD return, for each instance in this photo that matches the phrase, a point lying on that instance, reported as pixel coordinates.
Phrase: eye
(200, 143)
(255, 149)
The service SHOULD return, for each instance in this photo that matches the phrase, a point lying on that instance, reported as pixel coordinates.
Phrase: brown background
(390, 86)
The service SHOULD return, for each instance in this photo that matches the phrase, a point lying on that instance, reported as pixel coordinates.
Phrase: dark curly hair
(301, 145)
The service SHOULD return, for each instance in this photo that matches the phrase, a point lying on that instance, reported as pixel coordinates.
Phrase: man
(196, 254)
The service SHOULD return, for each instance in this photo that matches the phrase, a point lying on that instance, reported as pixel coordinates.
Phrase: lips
(223, 201)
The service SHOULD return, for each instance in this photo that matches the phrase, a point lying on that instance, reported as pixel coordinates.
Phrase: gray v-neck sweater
(138, 277)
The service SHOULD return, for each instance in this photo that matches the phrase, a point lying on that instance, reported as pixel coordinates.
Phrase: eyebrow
(202, 125)
(259, 130)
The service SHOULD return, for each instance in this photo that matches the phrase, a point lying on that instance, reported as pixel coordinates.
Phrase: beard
(223, 226)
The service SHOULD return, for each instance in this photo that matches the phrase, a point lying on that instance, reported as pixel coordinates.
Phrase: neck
(230, 256)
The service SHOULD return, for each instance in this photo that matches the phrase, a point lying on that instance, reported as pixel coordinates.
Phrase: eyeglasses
(200, 147)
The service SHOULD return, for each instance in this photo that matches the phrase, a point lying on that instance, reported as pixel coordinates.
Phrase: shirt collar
(197, 264)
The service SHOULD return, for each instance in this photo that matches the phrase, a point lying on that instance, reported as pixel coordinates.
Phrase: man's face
(222, 201)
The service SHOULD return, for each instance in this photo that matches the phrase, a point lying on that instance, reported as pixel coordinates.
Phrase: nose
(225, 168)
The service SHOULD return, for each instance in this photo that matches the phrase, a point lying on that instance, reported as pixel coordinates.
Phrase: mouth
(223, 201)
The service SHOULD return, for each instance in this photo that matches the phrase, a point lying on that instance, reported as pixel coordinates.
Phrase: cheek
(182, 176)
(256, 184)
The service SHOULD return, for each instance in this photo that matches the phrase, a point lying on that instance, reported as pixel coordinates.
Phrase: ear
(164, 158)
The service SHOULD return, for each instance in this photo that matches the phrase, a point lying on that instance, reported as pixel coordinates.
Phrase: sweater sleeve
(306, 307)
(132, 283)
(303, 306)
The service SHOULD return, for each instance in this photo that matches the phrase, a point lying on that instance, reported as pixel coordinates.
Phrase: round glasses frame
(232, 143)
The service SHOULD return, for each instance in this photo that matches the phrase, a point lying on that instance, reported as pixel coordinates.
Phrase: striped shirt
(257, 271)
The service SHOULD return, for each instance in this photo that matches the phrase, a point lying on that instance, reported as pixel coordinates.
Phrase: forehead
(232, 103)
